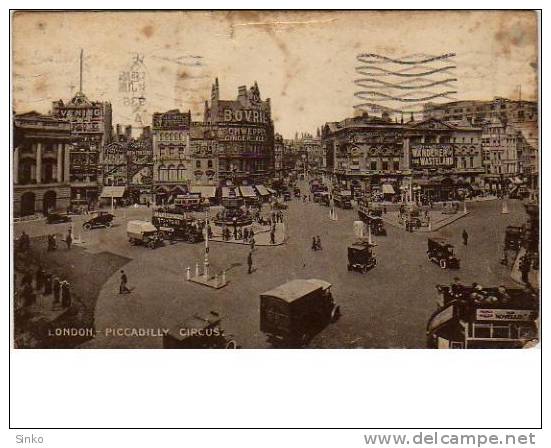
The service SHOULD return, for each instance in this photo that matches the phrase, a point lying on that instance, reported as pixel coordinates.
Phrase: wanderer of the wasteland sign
(275, 179)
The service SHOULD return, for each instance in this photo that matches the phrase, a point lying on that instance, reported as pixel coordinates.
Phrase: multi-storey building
(375, 153)
(279, 148)
(245, 134)
(204, 154)
(364, 152)
(41, 163)
(91, 125)
(172, 171)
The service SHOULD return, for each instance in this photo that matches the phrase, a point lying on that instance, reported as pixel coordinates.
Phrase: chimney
(215, 93)
(119, 130)
(128, 132)
(242, 93)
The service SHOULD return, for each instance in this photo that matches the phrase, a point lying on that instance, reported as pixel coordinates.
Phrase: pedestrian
(123, 288)
(235, 232)
(246, 233)
(253, 242)
(465, 236)
(40, 274)
(314, 244)
(56, 289)
(272, 237)
(69, 239)
(318, 242)
(250, 262)
(65, 294)
(524, 267)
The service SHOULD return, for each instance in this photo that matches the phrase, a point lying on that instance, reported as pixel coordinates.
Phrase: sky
(303, 61)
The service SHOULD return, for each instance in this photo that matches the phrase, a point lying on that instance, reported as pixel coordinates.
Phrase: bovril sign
(245, 116)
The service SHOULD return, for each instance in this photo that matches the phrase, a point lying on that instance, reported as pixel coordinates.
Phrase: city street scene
(260, 180)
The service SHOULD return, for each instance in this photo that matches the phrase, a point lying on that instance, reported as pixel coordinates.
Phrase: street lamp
(206, 262)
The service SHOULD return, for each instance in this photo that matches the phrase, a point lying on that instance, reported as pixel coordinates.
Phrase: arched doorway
(49, 201)
(27, 203)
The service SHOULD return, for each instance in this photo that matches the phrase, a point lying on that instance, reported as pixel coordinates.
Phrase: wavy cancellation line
(378, 84)
(372, 58)
(401, 73)
(383, 97)
(407, 109)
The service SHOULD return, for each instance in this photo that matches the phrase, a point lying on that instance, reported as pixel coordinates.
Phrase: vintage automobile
(475, 317)
(442, 253)
(361, 257)
(324, 198)
(376, 224)
(56, 218)
(144, 233)
(99, 219)
(292, 313)
(513, 237)
(343, 199)
(178, 226)
(199, 332)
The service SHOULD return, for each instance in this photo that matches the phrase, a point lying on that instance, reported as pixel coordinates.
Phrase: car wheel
(443, 264)
(87, 226)
(108, 225)
(335, 313)
(231, 344)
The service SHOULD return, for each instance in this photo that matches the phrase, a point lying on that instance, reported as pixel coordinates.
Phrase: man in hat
(465, 237)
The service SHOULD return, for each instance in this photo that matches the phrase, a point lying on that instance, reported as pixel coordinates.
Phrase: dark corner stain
(148, 31)
(182, 74)
(41, 26)
(534, 65)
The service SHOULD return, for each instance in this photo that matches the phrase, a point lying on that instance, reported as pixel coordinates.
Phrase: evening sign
(427, 156)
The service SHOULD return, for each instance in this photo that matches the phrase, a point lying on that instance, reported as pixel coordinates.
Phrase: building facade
(375, 154)
(41, 164)
(91, 126)
(204, 154)
(245, 135)
(279, 148)
(172, 170)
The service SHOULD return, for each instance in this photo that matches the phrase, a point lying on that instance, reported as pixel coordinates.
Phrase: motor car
(99, 219)
(292, 313)
(442, 253)
(361, 257)
(199, 332)
(56, 218)
(144, 233)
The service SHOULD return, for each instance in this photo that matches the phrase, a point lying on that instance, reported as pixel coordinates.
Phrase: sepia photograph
(275, 179)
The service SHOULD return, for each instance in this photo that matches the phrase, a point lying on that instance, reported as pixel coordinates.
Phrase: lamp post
(206, 262)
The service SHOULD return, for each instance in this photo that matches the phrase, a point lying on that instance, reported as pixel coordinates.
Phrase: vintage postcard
(241, 179)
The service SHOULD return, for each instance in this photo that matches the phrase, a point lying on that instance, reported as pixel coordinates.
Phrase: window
(197, 164)
(209, 163)
(396, 165)
(385, 165)
(373, 165)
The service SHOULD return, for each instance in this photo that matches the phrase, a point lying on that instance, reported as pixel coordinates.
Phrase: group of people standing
(37, 286)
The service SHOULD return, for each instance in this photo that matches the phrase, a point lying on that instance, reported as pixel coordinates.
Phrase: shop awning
(226, 192)
(206, 191)
(262, 190)
(388, 189)
(247, 191)
(113, 192)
